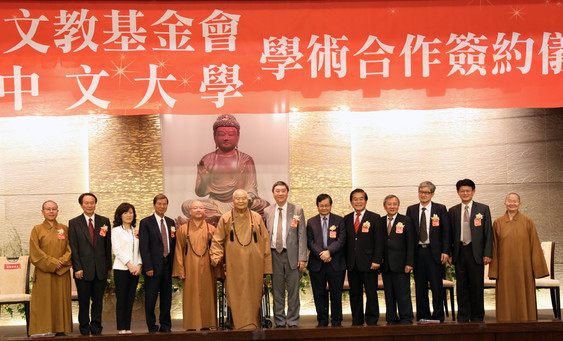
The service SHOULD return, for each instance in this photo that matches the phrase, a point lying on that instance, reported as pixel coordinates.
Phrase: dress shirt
(392, 218)
(325, 233)
(158, 218)
(428, 222)
(88, 220)
(361, 217)
(461, 218)
(284, 225)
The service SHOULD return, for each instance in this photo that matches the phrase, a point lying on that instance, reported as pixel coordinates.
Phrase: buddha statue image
(223, 171)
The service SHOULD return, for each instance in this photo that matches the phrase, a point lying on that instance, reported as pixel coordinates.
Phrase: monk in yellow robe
(193, 265)
(49, 251)
(517, 260)
(242, 239)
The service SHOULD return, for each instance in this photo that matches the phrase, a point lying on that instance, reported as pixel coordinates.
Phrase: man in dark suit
(89, 236)
(364, 253)
(472, 249)
(326, 237)
(432, 225)
(157, 242)
(286, 225)
(398, 261)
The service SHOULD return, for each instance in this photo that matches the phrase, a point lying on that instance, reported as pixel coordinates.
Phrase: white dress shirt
(428, 223)
(461, 218)
(158, 218)
(284, 225)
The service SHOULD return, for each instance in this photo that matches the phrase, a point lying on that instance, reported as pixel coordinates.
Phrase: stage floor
(308, 322)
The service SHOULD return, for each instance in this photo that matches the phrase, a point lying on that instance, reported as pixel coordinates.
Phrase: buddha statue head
(226, 132)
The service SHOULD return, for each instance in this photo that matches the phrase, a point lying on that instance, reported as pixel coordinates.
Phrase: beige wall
(116, 157)
(506, 150)
(119, 159)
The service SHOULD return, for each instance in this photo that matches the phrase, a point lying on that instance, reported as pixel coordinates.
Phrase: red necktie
(91, 229)
(357, 223)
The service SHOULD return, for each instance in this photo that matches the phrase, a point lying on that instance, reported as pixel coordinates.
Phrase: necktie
(466, 239)
(91, 229)
(325, 233)
(422, 232)
(164, 238)
(279, 232)
(357, 223)
(389, 225)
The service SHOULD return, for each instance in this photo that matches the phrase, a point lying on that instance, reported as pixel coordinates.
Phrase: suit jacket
(364, 248)
(439, 235)
(296, 237)
(152, 247)
(481, 236)
(95, 260)
(335, 245)
(399, 246)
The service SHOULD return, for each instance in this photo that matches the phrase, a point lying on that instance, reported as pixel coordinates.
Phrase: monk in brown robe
(49, 251)
(242, 239)
(517, 260)
(193, 265)
(223, 171)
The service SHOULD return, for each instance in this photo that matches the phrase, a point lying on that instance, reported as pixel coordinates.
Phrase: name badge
(477, 222)
(435, 223)
(332, 234)
(12, 266)
(365, 229)
(399, 230)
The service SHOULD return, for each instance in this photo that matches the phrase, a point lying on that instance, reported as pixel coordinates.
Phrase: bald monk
(242, 239)
(223, 171)
(192, 265)
(49, 251)
(517, 260)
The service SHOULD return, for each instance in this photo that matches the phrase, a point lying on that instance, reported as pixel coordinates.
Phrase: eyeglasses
(425, 192)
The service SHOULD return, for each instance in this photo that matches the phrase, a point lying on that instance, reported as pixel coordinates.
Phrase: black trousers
(335, 280)
(426, 271)
(153, 286)
(125, 288)
(397, 287)
(469, 285)
(360, 280)
(90, 291)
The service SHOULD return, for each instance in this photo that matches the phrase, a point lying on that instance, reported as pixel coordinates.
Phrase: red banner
(210, 57)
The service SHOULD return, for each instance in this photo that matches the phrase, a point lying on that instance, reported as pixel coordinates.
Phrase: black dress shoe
(280, 326)
(60, 334)
(293, 326)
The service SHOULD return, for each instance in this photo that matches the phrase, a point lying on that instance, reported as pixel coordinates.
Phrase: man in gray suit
(288, 239)
(472, 246)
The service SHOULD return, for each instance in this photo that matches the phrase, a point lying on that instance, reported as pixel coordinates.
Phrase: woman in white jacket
(127, 263)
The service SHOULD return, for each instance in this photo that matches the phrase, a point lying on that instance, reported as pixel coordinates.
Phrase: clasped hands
(325, 256)
(134, 270)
